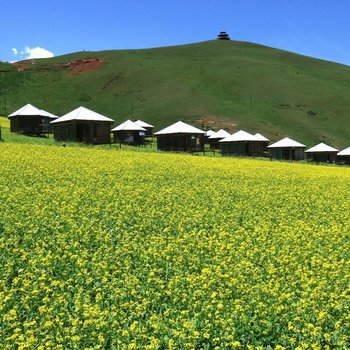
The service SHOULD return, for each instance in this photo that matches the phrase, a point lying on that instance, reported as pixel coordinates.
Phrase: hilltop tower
(223, 36)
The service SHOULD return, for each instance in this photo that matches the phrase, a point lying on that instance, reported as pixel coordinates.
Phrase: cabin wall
(233, 148)
(258, 149)
(343, 160)
(214, 143)
(103, 133)
(247, 148)
(65, 132)
(30, 125)
(181, 142)
(83, 131)
(129, 137)
(322, 157)
(286, 153)
(149, 131)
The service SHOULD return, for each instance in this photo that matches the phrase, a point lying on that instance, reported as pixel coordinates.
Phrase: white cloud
(36, 52)
(31, 53)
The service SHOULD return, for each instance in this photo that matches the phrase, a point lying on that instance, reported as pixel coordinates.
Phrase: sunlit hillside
(214, 84)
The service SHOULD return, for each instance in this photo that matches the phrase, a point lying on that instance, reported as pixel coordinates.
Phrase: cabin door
(83, 133)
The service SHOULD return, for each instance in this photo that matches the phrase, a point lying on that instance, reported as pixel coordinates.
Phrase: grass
(4, 122)
(254, 87)
(11, 137)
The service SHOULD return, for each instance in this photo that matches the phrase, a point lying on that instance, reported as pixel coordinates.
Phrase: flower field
(109, 249)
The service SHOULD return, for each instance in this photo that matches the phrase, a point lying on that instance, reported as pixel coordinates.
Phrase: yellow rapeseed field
(4, 122)
(109, 249)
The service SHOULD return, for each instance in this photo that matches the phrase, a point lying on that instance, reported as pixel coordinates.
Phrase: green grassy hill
(235, 85)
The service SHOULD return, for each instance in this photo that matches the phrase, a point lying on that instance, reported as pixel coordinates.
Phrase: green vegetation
(8, 136)
(4, 122)
(232, 84)
(109, 249)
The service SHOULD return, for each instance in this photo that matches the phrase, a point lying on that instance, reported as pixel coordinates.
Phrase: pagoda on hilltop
(223, 36)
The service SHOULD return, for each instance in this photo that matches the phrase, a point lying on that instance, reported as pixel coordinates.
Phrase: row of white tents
(221, 137)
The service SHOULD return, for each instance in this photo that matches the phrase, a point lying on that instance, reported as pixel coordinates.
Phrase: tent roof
(27, 110)
(82, 113)
(221, 134)
(48, 114)
(285, 143)
(240, 136)
(143, 124)
(209, 132)
(180, 128)
(344, 152)
(261, 137)
(321, 147)
(128, 126)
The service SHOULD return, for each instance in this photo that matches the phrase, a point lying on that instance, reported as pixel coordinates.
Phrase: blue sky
(41, 28)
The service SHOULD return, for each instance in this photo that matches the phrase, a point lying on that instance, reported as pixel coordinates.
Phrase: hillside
(216, 83)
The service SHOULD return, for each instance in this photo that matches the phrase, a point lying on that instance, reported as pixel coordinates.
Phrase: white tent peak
(240, 136)
(48, 114)
(261, 137)
(143, 124)
(344, 152)
(82, 113)
(28, 109)
(321, 147)
(209, 132)
(180, 128)
(221, 134)
(128, 126)
(286, 142)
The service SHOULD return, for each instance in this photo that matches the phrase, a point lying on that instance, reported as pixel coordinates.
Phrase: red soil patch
(22, 65)
(85, 65)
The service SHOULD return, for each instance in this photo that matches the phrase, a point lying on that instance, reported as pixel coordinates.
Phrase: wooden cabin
(344, 156)
(83, 125)
(243, 143)
(180, 137)
(215, 137)
(129, 133)
(148, 127)
(30, 120)
(287, 149)
(322, 153)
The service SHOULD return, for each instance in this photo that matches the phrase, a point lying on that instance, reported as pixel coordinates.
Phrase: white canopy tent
(143, 124)
(286, 143)
(83, 125)
(240, 136)
(221, 134)
(287, 149)
(128, 126)
(344, 152)
(321, 148)
(182, 137)
(180, 128)
(82, 113)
